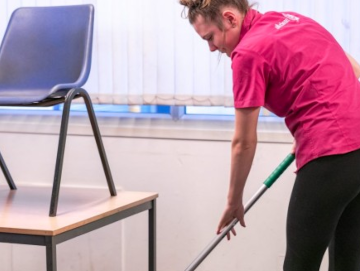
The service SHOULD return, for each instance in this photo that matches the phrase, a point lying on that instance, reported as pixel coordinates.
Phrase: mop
(266, 185)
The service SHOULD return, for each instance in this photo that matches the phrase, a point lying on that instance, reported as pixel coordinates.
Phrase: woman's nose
(212, 47)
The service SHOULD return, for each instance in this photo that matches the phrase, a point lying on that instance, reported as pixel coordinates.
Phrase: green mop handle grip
(279, 170)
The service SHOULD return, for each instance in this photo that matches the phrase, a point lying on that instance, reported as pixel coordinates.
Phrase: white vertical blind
(145, 53)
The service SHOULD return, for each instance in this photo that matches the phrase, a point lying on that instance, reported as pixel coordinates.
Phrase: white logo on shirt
(288, 18)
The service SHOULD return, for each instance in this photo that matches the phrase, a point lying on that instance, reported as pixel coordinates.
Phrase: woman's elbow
(239, 146)
(357, 72)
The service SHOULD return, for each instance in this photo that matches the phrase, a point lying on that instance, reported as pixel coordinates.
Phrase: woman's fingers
(242, 221)
(233, 231)
(224, 221)
(227, 217)
(228, 235)
(219, 228)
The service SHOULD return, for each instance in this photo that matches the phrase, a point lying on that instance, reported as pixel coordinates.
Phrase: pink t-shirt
(292, 66)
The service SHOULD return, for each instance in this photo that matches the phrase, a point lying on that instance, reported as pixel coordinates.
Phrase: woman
(291, 65)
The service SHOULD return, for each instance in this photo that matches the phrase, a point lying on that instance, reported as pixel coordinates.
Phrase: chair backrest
(47, 48)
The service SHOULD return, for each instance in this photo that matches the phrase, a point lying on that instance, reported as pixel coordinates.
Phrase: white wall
(191, 178)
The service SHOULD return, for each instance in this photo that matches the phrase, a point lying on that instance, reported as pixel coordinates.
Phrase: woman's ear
(230, 18)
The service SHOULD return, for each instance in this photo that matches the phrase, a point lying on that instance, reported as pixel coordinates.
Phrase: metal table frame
(50, 242)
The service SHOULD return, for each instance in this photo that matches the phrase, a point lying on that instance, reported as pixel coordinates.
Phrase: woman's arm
(355, 65)
(242, 154)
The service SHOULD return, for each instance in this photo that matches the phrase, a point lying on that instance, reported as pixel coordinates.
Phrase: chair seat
(20, 96)
(38, 59)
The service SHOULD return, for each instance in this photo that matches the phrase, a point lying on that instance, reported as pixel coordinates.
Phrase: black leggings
(324, 211)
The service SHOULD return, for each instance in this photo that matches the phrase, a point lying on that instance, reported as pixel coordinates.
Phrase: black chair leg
(7, 174)
(60, 157)
(99, 142)
(61, 148)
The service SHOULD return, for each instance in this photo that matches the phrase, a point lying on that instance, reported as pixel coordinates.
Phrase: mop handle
(267, 184)
(279, 170)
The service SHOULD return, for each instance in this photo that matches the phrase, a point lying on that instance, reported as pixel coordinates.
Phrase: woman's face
(224, 40)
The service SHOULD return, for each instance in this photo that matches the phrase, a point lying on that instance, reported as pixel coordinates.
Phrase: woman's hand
(293, 147)
(228, 216)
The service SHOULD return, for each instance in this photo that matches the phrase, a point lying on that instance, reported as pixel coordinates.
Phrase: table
(24, 216)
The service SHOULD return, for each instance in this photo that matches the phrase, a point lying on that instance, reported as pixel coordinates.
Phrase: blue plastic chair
(45, 59)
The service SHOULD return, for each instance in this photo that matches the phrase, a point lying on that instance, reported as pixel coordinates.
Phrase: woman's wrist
(234, 202)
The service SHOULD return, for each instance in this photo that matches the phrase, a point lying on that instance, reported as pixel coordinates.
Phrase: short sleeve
(250, 77)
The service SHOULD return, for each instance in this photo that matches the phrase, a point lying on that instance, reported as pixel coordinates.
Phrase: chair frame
(7, 174)
(73, 93)
(64, 93)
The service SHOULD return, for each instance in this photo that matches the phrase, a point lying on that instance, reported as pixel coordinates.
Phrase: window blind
(145, 53)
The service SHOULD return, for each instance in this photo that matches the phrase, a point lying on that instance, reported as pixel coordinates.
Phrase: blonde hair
(210, 9)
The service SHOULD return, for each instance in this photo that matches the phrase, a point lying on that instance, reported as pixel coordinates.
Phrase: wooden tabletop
(26, 210)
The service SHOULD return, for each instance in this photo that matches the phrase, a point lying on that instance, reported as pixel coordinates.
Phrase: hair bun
(195, 3)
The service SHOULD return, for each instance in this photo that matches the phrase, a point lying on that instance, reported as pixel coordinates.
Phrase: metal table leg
(50, 254)
(152, 237)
